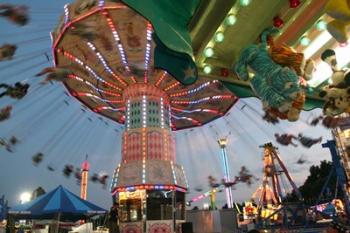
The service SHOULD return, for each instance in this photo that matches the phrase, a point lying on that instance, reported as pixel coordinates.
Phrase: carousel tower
(111, 52)
(85, 166)
(229, 199)
(148, 146)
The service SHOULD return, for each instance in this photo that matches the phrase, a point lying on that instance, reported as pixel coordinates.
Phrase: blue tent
(57, 204)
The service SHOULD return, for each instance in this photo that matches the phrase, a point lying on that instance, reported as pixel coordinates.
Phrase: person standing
(114, 219)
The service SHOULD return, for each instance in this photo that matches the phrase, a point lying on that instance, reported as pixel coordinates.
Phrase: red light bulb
(224, 72)
(294, 3)
(278, 22)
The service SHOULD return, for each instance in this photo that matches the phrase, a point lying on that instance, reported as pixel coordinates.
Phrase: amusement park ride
(268, 201)
(341, 135)
(157, 72)
(227, 178)
(115, 75)
(149, 186)
(271, 192)
(269, 204)
(85, 166)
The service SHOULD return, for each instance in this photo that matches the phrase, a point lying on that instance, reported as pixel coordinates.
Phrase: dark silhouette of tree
(312, 187)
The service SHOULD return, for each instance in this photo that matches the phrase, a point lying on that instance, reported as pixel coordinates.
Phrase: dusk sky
(43, 122)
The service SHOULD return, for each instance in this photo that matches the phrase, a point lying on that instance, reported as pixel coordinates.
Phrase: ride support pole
(339, 169)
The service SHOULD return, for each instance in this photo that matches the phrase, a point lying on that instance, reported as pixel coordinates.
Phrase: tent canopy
(57, 204)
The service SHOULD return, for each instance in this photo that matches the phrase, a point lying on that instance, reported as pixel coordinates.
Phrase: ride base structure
(340, 172)
(149, 184)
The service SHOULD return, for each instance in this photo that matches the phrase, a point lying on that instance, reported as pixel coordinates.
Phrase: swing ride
(152, 74)
(149, 101)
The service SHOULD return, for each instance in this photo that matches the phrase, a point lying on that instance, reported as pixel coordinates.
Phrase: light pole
(222, 143)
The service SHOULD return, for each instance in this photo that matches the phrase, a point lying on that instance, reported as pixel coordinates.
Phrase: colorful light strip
(148, 187)
(124, 147)
(101, 4)
(144, 152)
(201, 196)
(128, 115)
(194, 90)
(133, 79)
(91, 71)
(205, 99)
(198, 110)
(161, 78)
(66, 13)
(100, 108)
(206, 194)
(169, 116)
(143, 171)
(104, 63)
(172, 86)
(187, 118)
(97, 97)
(115, 178)
(72, 76)
(92, 95)
(228, 190)
(144, 111)
(117, 40)
(162, 121)
(148, 51)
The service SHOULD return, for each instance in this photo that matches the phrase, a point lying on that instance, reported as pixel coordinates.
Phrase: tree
(312, 187)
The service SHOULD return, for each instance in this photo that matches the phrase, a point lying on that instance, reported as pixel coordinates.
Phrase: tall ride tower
(229, 199)
(85, 166)
(340, 151)
(341, 134)
(271, 191)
